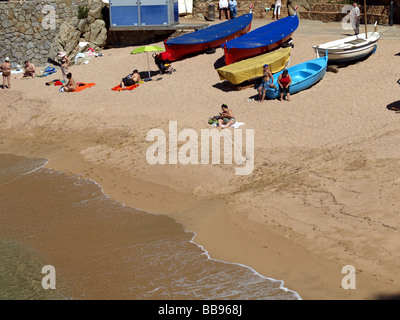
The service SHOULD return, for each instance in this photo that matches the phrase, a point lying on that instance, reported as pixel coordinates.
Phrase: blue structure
(143, 13)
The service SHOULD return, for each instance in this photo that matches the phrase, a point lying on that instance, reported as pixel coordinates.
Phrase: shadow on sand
(388, 297)
(394, 106)
(219, 63)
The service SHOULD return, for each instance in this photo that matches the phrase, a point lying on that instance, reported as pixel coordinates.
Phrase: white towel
(235, 125)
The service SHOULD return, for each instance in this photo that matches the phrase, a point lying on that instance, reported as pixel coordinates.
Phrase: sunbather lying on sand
(131, 79)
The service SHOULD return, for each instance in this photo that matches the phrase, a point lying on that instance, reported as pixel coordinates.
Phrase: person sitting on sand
(131, 79)
(285, 81)
(29, 70)
(226, 117)
(70, 86)
(6, 70)
(266, 84)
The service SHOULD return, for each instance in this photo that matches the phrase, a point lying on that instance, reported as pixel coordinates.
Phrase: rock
(74, 22)
(38, 56)
(303, 5)
(47, 45)
(98, 33)
(6, 23)
(82, 25)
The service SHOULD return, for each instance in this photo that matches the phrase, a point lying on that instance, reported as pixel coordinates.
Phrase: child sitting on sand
(70, 86)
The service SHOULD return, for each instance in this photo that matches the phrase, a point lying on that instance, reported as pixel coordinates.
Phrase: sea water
(102, 249)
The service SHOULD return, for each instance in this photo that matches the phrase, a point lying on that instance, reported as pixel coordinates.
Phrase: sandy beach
(323, 193)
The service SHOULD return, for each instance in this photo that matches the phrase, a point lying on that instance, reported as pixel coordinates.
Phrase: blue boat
(303, 75)
(204, 39)
(260, 40)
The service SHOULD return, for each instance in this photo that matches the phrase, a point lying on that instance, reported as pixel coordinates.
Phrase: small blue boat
(303, 75)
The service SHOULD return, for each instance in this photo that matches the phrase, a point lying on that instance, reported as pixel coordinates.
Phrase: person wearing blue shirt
(233, 8)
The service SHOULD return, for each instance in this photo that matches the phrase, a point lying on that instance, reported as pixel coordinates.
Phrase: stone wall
(200, 8)
(36, 30)
(324, 10)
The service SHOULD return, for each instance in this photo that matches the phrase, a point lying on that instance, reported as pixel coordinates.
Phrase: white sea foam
(206, 282)
(205, 252)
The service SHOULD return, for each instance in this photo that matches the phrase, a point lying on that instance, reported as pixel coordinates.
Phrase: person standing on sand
(223, 6)
(64, 61)
(277, 9)
(6, 70)
(356, 18)
(233, 8)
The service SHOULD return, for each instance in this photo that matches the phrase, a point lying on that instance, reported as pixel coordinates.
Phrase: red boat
(261, 40)
(204, 39)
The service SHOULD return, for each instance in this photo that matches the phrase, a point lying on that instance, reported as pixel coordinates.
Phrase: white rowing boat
(350, 49)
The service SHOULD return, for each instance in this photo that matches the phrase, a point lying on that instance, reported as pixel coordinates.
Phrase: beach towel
(82, 86)
(78, 56)
(119, 88)
(14, 71)
(235, 125)
(46, 72)
(56, 82)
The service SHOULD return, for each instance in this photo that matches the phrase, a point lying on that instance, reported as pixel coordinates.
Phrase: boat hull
(304, 75)
(235, 54)
(260, 40)
(176, 51)
(344, 52)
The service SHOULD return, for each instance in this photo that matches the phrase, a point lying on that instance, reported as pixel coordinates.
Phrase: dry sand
(324, 190)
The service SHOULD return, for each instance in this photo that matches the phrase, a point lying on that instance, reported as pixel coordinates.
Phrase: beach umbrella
(147, 49)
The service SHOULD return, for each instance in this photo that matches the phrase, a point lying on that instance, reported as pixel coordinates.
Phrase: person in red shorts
(284, 81)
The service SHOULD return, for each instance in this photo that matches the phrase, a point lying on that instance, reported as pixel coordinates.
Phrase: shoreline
(41, 250)
(322, 194)
(240, 246)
